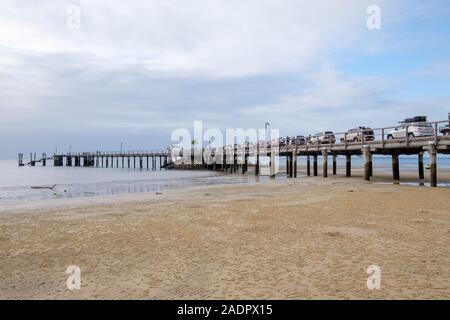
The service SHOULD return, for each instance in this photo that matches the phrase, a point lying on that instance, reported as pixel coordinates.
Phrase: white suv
(416, 129)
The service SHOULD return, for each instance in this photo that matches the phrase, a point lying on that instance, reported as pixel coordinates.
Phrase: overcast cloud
(136, 70)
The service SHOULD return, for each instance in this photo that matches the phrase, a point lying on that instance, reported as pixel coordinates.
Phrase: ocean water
(75, 182)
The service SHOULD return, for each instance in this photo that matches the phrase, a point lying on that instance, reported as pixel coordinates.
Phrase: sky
(88, 75)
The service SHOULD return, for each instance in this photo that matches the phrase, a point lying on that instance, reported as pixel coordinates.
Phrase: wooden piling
(257, 161)
(395, 168)
(308, 166)
(433, 164)
(272, 165)
(366, 155)
(325, 162)
(315, 165)
(348, 165)
(294, 164)
(334, 164)
(288, 166)
(421, 167)
(245, 165)
(32, 163)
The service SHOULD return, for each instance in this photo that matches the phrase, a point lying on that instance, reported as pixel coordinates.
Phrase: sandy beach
(308, 238)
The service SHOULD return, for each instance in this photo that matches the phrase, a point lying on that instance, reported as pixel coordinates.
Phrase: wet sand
(306, 238)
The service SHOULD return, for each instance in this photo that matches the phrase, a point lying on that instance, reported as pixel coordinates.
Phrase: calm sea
(74, 182)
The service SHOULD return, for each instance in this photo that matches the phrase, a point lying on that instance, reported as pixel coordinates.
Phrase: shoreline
(382, 176)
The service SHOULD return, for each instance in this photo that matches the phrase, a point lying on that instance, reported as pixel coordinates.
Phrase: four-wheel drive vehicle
(298, 141)
(323, 137)
(445, 130)
(415, 129)
(357, 134)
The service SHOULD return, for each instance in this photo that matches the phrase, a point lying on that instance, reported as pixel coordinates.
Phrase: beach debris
(44, 187)
(159, 193)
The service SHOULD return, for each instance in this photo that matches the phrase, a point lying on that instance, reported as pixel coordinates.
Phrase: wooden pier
(233, 159)
(114, 159)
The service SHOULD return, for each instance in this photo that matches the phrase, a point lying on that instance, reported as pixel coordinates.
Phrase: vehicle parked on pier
(323, 137)
(358, 134)
(445, 130)
(298, 141)
(413, 127)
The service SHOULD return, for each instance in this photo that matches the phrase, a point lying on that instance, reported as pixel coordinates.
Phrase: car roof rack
(415, 119)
